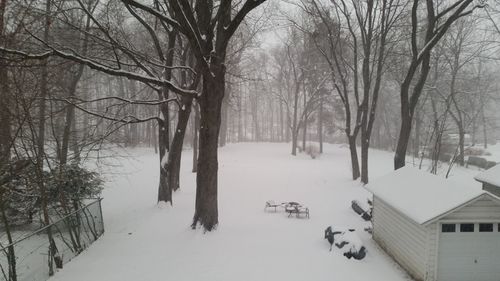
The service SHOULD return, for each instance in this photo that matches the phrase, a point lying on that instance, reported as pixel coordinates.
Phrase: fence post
(100, 212)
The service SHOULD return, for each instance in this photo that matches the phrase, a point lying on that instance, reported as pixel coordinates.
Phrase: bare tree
(437, 24)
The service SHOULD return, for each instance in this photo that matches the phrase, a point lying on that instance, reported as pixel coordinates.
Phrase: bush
(312, 151)
(75, 182)
(21, 194)
(477, 161)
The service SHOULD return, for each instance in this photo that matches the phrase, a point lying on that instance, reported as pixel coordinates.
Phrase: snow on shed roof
(422, 196)
(491, 176)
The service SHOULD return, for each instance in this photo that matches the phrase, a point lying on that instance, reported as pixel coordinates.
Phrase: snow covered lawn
(147, 242)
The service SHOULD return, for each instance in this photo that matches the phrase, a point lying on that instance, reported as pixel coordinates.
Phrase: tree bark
(164, 191)
(196, 129)
(5, 115)
(365, 144)
(70, 117)
(304, 129)
(11, 254)
(224, 121)
(174, 157)
(320, 126)
(354, 157)
(206, 209)
(461, 145)
(485, 129)
(40, 143)
(402, 145)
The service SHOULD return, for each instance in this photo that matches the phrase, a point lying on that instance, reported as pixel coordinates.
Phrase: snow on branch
(100, 67)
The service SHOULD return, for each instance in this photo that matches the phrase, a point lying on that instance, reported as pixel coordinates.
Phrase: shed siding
(491, 188)
(433, 231)
(482, 209)
(402, 238)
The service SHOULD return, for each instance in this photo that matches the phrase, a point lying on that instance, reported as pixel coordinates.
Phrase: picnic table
(297, 209)
(290, 207)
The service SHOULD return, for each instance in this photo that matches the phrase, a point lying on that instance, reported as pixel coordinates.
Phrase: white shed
(435, 228)
(490, 179)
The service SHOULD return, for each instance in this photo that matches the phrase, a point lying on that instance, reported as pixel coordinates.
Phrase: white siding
(402, 238)
(482, 209)
(433, 231)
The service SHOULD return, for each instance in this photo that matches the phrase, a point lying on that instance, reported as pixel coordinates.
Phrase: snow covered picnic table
(297, 209)
(290, 207)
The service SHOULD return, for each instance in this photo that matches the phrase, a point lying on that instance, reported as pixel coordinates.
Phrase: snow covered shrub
(21, 195)
(18, 197)
(312, 151)
(75, 182)
(474, 151)
(347, 240)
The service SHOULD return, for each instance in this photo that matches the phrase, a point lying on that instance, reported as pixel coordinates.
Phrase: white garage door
(469, 252)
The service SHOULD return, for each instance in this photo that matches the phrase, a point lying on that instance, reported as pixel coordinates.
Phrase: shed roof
(422, 196)
(491, 176)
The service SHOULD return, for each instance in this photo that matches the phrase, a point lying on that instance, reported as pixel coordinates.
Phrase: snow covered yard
(147, 242)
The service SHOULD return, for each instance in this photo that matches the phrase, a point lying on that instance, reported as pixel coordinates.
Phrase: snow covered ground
(147, 242)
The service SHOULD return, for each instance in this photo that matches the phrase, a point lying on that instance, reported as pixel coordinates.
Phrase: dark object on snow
(355, 206)
(58, 261)
(330, 236)
(490, 164)
(361, 254)
(297, 209)
(365, 214)
(272, 204)
(369, 229)
(477, 161)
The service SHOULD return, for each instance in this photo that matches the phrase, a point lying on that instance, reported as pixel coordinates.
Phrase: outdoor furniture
(292, 208)
(272, 204)
(297, 209)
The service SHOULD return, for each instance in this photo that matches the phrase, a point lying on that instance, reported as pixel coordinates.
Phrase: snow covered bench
(272, 204)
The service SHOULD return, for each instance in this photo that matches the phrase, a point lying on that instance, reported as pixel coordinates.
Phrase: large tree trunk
(485, 128)
(304, 129)
(461, 145)
(282, 127)
(404, 138)
(240, 122)
(365, 144)
(295, 136)
(10, 252)
(354, 157)
(206, 210)
(5, 116)
(224, 119)
(40, 142)
(196, 129)
(320, 126)
(174, 157)
(70, 117)
(164, 191)
(416, 140)
(295, 129)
